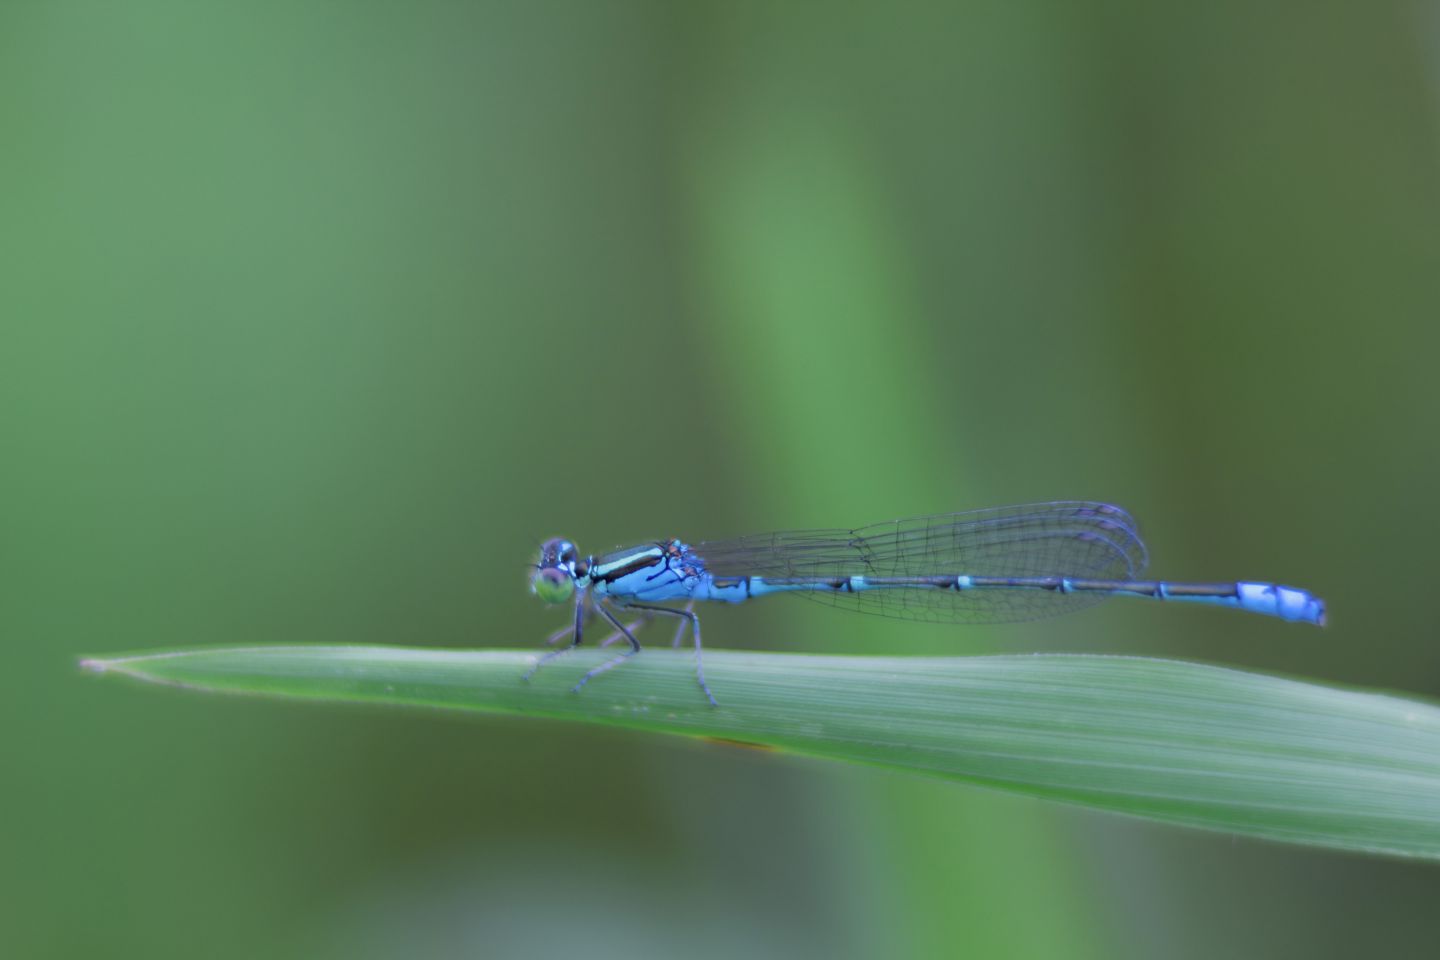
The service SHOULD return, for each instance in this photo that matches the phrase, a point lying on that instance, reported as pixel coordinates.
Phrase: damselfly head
(554, 578)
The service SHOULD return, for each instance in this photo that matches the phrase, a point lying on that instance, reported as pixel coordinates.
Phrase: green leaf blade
(1178, 742)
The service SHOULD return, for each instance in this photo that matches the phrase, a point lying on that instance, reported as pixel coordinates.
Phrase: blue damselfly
(985, 566)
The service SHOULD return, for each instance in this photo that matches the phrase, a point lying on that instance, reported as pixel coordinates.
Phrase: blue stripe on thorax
(661, 571)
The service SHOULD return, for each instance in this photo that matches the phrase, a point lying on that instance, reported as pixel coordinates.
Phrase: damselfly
(985, 566)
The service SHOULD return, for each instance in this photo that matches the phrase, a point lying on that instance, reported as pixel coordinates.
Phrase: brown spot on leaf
(743, 744)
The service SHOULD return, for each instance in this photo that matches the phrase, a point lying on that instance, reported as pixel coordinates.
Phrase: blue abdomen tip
(1287, 603)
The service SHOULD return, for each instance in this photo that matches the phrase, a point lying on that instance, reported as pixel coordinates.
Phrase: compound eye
(552, 585)
(557, 552)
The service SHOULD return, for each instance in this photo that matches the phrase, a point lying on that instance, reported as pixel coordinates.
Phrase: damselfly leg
(680, 630)
(586, 610)
(590, 614)
(613, 663)
(689, 616)
(634, 626)
(577, 632)
(569, 631)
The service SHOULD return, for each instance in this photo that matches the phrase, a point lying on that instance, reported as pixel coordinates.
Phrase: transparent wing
(1068, 539)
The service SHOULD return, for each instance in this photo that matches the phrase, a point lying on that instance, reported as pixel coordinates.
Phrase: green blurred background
(318, 317)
